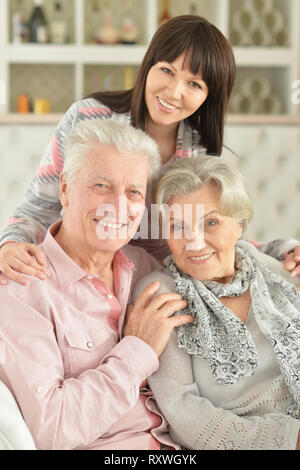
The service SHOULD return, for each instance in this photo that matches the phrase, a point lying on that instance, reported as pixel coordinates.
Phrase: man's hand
(22, 258)
(292, 263)
(151, 320)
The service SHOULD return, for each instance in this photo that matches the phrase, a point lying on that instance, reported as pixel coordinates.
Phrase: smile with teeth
(166, 105)
(201, 258)
(110, 224)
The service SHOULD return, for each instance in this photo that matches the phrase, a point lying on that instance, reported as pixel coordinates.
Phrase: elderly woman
(231, 379)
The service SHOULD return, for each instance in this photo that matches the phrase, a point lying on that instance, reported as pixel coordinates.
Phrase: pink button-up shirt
(76, 380)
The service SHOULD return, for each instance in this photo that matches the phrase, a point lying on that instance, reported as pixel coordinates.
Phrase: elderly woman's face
(205, 247)
(105, 202)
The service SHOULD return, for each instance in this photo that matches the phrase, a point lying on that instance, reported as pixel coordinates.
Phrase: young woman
(180, 99)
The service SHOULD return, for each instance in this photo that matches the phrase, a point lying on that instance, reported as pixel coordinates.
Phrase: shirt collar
(66, 270)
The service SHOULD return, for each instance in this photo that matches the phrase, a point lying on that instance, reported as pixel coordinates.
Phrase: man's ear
(63, 190)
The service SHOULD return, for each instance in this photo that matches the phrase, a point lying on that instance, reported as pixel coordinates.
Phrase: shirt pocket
(87, 347)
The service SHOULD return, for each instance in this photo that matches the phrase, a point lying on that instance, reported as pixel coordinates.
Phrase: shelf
(91, 62)
(70, 54)
(119, 54)
(263, 119)
(263, 56)
(30, 118)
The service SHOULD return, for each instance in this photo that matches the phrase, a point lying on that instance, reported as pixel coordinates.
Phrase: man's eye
(101, 185)
(137, 193)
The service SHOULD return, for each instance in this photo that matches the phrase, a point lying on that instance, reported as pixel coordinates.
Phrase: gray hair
(123, 137)
(189, 175)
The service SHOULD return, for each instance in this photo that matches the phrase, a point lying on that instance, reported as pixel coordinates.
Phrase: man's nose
(120, 203)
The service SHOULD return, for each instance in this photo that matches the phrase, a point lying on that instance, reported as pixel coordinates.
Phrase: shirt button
(90, 345)
(110, 296)
(39, 389)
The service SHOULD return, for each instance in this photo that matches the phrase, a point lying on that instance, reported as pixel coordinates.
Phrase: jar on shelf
(129, 30)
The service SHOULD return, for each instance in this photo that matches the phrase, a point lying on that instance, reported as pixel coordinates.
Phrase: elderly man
(74, 372)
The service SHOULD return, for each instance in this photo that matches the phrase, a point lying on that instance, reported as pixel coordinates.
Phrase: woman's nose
(195, 240)
(176, 89)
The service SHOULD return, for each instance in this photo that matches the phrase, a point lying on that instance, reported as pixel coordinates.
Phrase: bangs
(195, 47)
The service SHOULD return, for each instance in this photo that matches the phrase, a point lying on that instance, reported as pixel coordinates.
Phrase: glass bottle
(20, 29)
(58, 27)
(166, 14)
(37, 24)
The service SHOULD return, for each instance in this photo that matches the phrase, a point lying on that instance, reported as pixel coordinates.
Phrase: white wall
(269, 160)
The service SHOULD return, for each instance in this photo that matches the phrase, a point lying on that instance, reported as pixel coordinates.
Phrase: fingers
(171, 307)
(38, 254)
(3, 280)
(25, 264)
(145, 296)
(158, 302)
(292, 262)
(180, 320)
(296, 271)
(17, 259)
(11, 274)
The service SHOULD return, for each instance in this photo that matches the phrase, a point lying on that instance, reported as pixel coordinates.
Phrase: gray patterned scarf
(221, 338)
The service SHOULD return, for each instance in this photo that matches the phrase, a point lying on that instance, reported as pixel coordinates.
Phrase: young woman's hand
(19, 258)
(292, 262)
(151, 320)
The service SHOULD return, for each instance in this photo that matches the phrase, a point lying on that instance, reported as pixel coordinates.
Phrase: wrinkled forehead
(108, 163)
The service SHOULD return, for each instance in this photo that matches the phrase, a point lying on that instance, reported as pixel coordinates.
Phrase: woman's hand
(151, 320)
(292, 262)
(22, 258)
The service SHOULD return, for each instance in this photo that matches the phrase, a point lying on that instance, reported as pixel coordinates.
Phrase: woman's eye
(101, 185)
(212, 223)
(176, 227)
(166, 70)
(196, 85)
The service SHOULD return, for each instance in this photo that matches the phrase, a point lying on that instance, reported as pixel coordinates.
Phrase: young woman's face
(173, 93)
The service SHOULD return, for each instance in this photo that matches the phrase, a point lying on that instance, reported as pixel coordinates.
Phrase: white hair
(189, 175)
(123, 137)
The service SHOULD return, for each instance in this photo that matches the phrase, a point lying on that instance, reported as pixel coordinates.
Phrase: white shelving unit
(80, 54)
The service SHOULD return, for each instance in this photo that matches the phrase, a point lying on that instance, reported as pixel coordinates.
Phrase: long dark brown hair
(208, 52)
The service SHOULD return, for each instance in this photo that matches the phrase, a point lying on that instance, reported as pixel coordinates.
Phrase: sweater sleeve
(278, 249)
(41, 207)
(195, 423)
